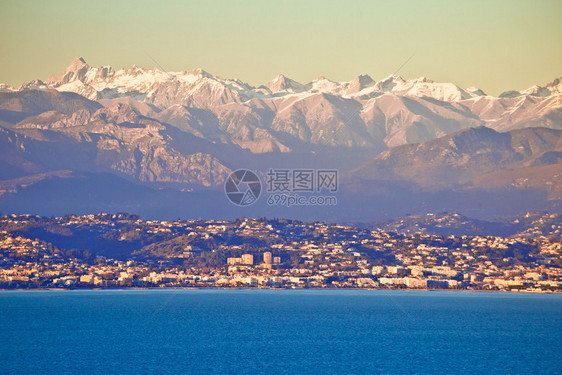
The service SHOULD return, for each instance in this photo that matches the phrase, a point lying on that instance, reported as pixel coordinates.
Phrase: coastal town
(125, 251)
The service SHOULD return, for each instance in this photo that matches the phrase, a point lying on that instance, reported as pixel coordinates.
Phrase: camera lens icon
(242, 187)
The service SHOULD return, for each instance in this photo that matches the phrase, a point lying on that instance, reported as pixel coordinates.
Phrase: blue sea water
(279, 332)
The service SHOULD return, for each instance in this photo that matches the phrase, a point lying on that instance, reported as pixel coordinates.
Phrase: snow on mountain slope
(419, 87)
(284, 84)
(359, 83)
(6, 88)
(399, 119)
(154, 86)
(552, 88)
(509, 113)
(199, 88)
(284, 113)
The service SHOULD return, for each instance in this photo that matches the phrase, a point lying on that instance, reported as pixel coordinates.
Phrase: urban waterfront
(279, 332)
(124, 251)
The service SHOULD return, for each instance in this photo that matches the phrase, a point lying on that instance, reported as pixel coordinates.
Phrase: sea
(211, 331)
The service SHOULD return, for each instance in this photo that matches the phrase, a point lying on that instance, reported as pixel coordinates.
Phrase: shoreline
(283, 289)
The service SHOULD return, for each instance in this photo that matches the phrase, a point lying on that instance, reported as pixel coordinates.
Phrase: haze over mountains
(401, 146)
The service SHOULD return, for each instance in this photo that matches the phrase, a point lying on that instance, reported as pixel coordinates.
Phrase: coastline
(282, 289)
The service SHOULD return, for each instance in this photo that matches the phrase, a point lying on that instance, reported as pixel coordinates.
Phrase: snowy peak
(77, 64)
(423, 87)
(153, 86)
(359, 83)
(135, 71)
(76, 71)
(552, 88)
(475, 91)
(555, 85)
(158, 87)
(282, 83)
(6, 88)
(389, 83)
(199, 73)
(198, 88)
(537, 91)
(326, 86)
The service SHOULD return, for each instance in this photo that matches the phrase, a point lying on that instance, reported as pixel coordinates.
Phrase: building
(232, 261)
(87, 279)
(247, 259)
(267, 257)
(394, 269)
(411, 282)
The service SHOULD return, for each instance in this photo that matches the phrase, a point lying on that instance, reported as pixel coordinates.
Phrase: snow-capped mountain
(195, 87)
(286, 85)
(552, 88)
(188, 130)
(199, 88)
(283, 113)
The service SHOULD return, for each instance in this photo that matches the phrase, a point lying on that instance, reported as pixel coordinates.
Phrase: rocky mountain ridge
(409, 141)
(283, 114)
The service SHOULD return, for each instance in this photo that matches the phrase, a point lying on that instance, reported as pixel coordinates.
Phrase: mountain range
(401, 146)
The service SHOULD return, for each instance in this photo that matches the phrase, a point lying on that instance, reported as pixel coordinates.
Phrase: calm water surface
(279, 332)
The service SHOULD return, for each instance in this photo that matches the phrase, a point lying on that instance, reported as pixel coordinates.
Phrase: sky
(494, 45)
